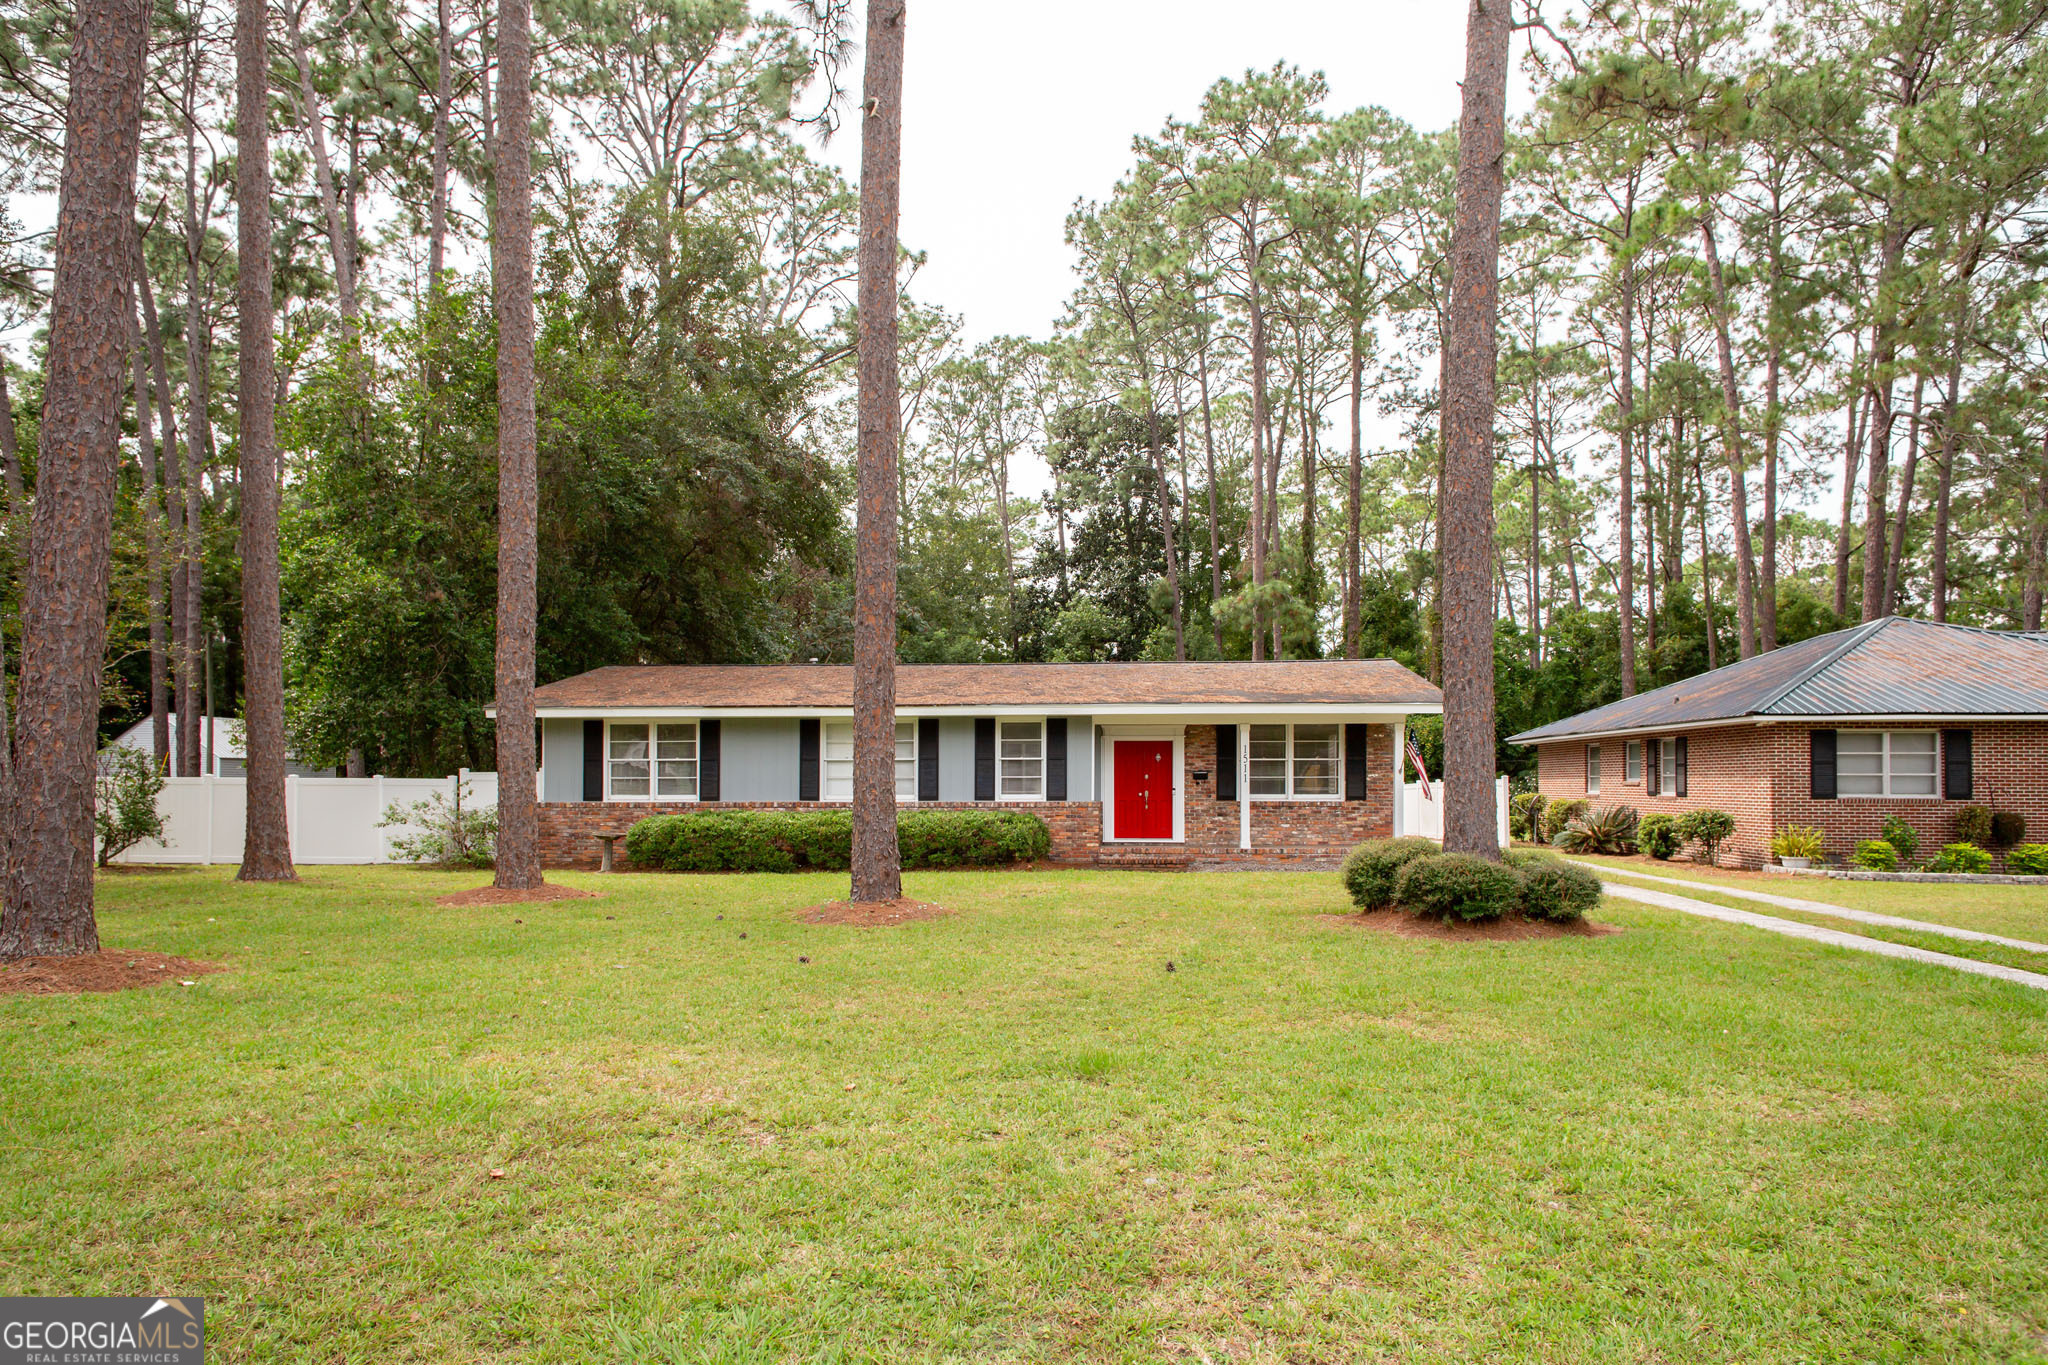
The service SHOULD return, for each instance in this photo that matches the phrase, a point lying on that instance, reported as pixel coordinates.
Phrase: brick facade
(1760, 774)
(1283, 832)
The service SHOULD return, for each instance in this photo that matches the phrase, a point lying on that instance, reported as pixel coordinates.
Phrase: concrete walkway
(1824, 908)
(1834, 938)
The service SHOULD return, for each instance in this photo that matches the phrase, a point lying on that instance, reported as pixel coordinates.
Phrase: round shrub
(1372, 869)
(1973, 825)
(2008, 827)
(1557, 815)
(1960, 858)
(1458, 886)
(1875, 855)
(1556, 890)
(2027, 860)
(1901, 836)
(1657, 835)
(1707, 828)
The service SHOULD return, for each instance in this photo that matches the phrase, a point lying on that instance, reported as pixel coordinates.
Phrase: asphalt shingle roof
(1896, 666)
(1335, 682)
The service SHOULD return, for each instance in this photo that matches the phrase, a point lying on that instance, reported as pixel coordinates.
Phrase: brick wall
(1282, 831)
(1760, 775)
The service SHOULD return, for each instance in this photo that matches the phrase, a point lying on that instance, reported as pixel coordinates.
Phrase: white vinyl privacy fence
(333, 819)
(1426, 816)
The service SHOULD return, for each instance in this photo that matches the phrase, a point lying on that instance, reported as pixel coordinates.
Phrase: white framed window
(1294, 762)
(1667, 767)
(1887, 763)
(1632, 761)
(1020, 760)
(651, 760)
(1592, 770)
(838, 757)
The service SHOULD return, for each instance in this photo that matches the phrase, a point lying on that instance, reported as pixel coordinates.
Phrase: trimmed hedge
(2028, 860)
(1960, 858)
(1372, 869)
(822, 840)
(1459, 886)
(1556, 890)
(1875, 855)
(1657, 835)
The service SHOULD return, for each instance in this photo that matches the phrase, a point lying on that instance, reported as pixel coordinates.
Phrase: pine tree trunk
(444, 98)
(266, 849)
(10, 453)
(1732, 447)
(198, 449)
(1706, 571)
(518, 864)
(49, 831)
(340, 239)
(1467, 514)
(1944, 481)
(1354, 498)
(1895, 559)
(1852, 456)
(1625, 588)
(2037, 550)
(1215, 516)
(1767, 554)
(152, 539)
(877, 860)
(171, 509)
(1255, 529)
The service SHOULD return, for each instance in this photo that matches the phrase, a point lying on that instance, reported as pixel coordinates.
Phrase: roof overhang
(1729, 723)
(1173, 710)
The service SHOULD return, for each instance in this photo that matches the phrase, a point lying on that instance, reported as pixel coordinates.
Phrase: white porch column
(1400, 752)
(1244, 787)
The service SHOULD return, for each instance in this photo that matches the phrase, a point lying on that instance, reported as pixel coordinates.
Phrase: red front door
(1144, 789)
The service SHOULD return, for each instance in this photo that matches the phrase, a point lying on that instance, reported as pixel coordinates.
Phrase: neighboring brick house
(1892, 717)
(1137, 764)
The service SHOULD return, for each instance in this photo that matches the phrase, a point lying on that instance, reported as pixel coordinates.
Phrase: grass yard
(1012, 1134)
(2015, 911)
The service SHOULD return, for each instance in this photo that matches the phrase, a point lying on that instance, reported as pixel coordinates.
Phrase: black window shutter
(928, 758)
(1956, 765)
(1056, 758)
(593, 760)
(1354, 762)
(708, 736)
(1653, 765)
(984, 759)
(1822, 744)
(1226, 763)
(807, 760)
(1679, 789)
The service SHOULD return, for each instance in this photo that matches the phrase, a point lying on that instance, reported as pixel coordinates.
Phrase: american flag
(1421, 772)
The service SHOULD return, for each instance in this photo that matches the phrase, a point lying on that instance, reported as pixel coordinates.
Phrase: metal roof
(1896, 666)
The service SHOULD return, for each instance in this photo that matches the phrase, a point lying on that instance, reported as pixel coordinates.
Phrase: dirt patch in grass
(97, 972)
(1510, 929)
(871, 914)
(497, 895)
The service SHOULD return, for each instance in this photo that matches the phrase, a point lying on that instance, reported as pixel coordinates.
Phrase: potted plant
(1798, 846)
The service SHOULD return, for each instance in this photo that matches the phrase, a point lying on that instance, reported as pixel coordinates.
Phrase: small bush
(1707, 828)
(441, 833)
(2008, 827)
(1557, 890)
(1973, 825)
(1901, 836)
(1657, 835)
(1875, 855)
(1558, 814)
(1799, 841)
(1525, 815)
(1603, 829)
(822, 840)
(1373, 868)
(124, 793)
(2027, 860)
(1960, 858)
(1458, 886)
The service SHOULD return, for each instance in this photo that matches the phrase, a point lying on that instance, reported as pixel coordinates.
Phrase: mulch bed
(872, 914)
(1510, 929)
(495, 895)
(96, 972)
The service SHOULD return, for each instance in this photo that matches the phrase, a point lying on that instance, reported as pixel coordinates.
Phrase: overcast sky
(1012, 113)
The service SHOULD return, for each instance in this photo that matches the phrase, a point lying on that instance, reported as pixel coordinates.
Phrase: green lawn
(1013, 1135)
(2015, 911)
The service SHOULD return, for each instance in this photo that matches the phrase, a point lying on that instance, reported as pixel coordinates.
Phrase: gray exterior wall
(561, 760)
(757, 760)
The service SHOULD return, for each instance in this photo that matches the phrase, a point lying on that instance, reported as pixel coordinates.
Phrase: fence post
(291, 816)
(377, 829)
(206, 792)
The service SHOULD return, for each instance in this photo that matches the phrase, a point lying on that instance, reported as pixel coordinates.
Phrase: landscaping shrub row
(822, 840)
(1978, 829)
(1412, 874)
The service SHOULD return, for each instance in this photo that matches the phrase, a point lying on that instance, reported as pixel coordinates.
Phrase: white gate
(1426, 816)
(332, 819)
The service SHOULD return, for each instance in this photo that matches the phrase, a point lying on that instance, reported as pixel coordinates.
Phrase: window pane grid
(838, 760)
(1293, 760)
(1020, 764)
(1887, 763)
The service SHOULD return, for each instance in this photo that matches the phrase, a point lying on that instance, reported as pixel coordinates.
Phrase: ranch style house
(1893, 717)
(1143, 764)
